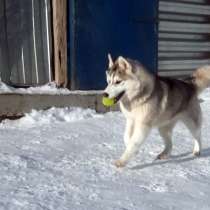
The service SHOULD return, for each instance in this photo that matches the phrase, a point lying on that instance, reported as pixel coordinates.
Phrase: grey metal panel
(176, 73)
(182, 64)
(182, 55)
(184, 8)
(184, 36)
(180, 17)
(181, 36)
(27, 39)
(197, 28)
(171, 46)
(193, 1)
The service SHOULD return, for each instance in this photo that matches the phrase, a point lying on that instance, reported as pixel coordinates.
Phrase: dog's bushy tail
(201, 78)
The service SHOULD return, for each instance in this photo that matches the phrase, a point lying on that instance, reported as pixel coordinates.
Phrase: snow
(49, 88)
(63, 159)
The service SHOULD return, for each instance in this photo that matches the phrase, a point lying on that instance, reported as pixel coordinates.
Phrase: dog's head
(121, 78)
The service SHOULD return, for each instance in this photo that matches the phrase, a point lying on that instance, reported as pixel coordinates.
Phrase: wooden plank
(40, 50)
(27, 42)
(60, 41)
(21, 40)
(14, 38)
(21, 43)
(197, 28)
(184, 8)
(46, 37)
(4, 53)
(35, 74)
(41, 42)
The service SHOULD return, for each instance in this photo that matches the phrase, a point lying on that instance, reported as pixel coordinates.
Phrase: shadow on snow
(174, 159)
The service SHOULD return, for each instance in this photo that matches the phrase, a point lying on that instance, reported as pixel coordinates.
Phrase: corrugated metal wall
(184, 36)
(25, 42)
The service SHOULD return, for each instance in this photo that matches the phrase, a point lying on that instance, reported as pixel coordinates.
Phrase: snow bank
(52, 115)
(5, 88)
(49, 88)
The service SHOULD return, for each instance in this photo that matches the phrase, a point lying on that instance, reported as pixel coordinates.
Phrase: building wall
(184, 36)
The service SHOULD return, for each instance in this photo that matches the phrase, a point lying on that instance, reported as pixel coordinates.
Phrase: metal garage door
(184, 36)
(127, 28)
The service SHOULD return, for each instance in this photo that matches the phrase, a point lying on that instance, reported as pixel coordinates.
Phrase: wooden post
(60, 41)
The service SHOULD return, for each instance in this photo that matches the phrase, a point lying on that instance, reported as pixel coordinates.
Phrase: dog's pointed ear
(110, 60)
(123, 63)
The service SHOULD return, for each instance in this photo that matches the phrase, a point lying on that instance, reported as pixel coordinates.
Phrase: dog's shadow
(174, 159)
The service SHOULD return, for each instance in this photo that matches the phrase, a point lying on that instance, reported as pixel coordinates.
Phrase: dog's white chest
(128, 113)
(141, 113)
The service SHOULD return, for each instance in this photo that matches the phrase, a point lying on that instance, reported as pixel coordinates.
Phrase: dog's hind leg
(195, 130)
(193, 121)
(140, 133)
(166, 134)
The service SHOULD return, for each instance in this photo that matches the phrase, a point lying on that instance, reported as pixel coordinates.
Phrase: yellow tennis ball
(108, 101)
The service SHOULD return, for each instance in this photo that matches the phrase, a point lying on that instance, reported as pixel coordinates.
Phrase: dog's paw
(119, 163)
(196, 153)
(162, 156)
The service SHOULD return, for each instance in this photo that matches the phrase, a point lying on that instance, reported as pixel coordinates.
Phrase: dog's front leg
(140, 133)
(128, 131)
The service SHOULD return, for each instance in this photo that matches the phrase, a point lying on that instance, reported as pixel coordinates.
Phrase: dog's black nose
(105, 95)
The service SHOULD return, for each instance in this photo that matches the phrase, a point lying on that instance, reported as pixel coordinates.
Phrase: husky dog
(148, 101)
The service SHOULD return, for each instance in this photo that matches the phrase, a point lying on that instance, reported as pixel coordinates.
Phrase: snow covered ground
(62, 159)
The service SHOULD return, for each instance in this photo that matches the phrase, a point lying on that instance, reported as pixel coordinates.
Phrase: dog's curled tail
(201, 78)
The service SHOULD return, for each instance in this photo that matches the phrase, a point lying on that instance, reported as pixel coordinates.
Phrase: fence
(25, 42)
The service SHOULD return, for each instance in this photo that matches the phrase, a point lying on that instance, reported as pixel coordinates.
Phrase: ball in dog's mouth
(108, 101)
(111, 101)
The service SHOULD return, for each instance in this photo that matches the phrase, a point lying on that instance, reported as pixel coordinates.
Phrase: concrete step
(13, 105)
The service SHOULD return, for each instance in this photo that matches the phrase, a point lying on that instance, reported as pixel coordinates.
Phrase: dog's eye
(118, 82)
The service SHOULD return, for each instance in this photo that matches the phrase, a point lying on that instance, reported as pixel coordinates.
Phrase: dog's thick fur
(148, 101)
